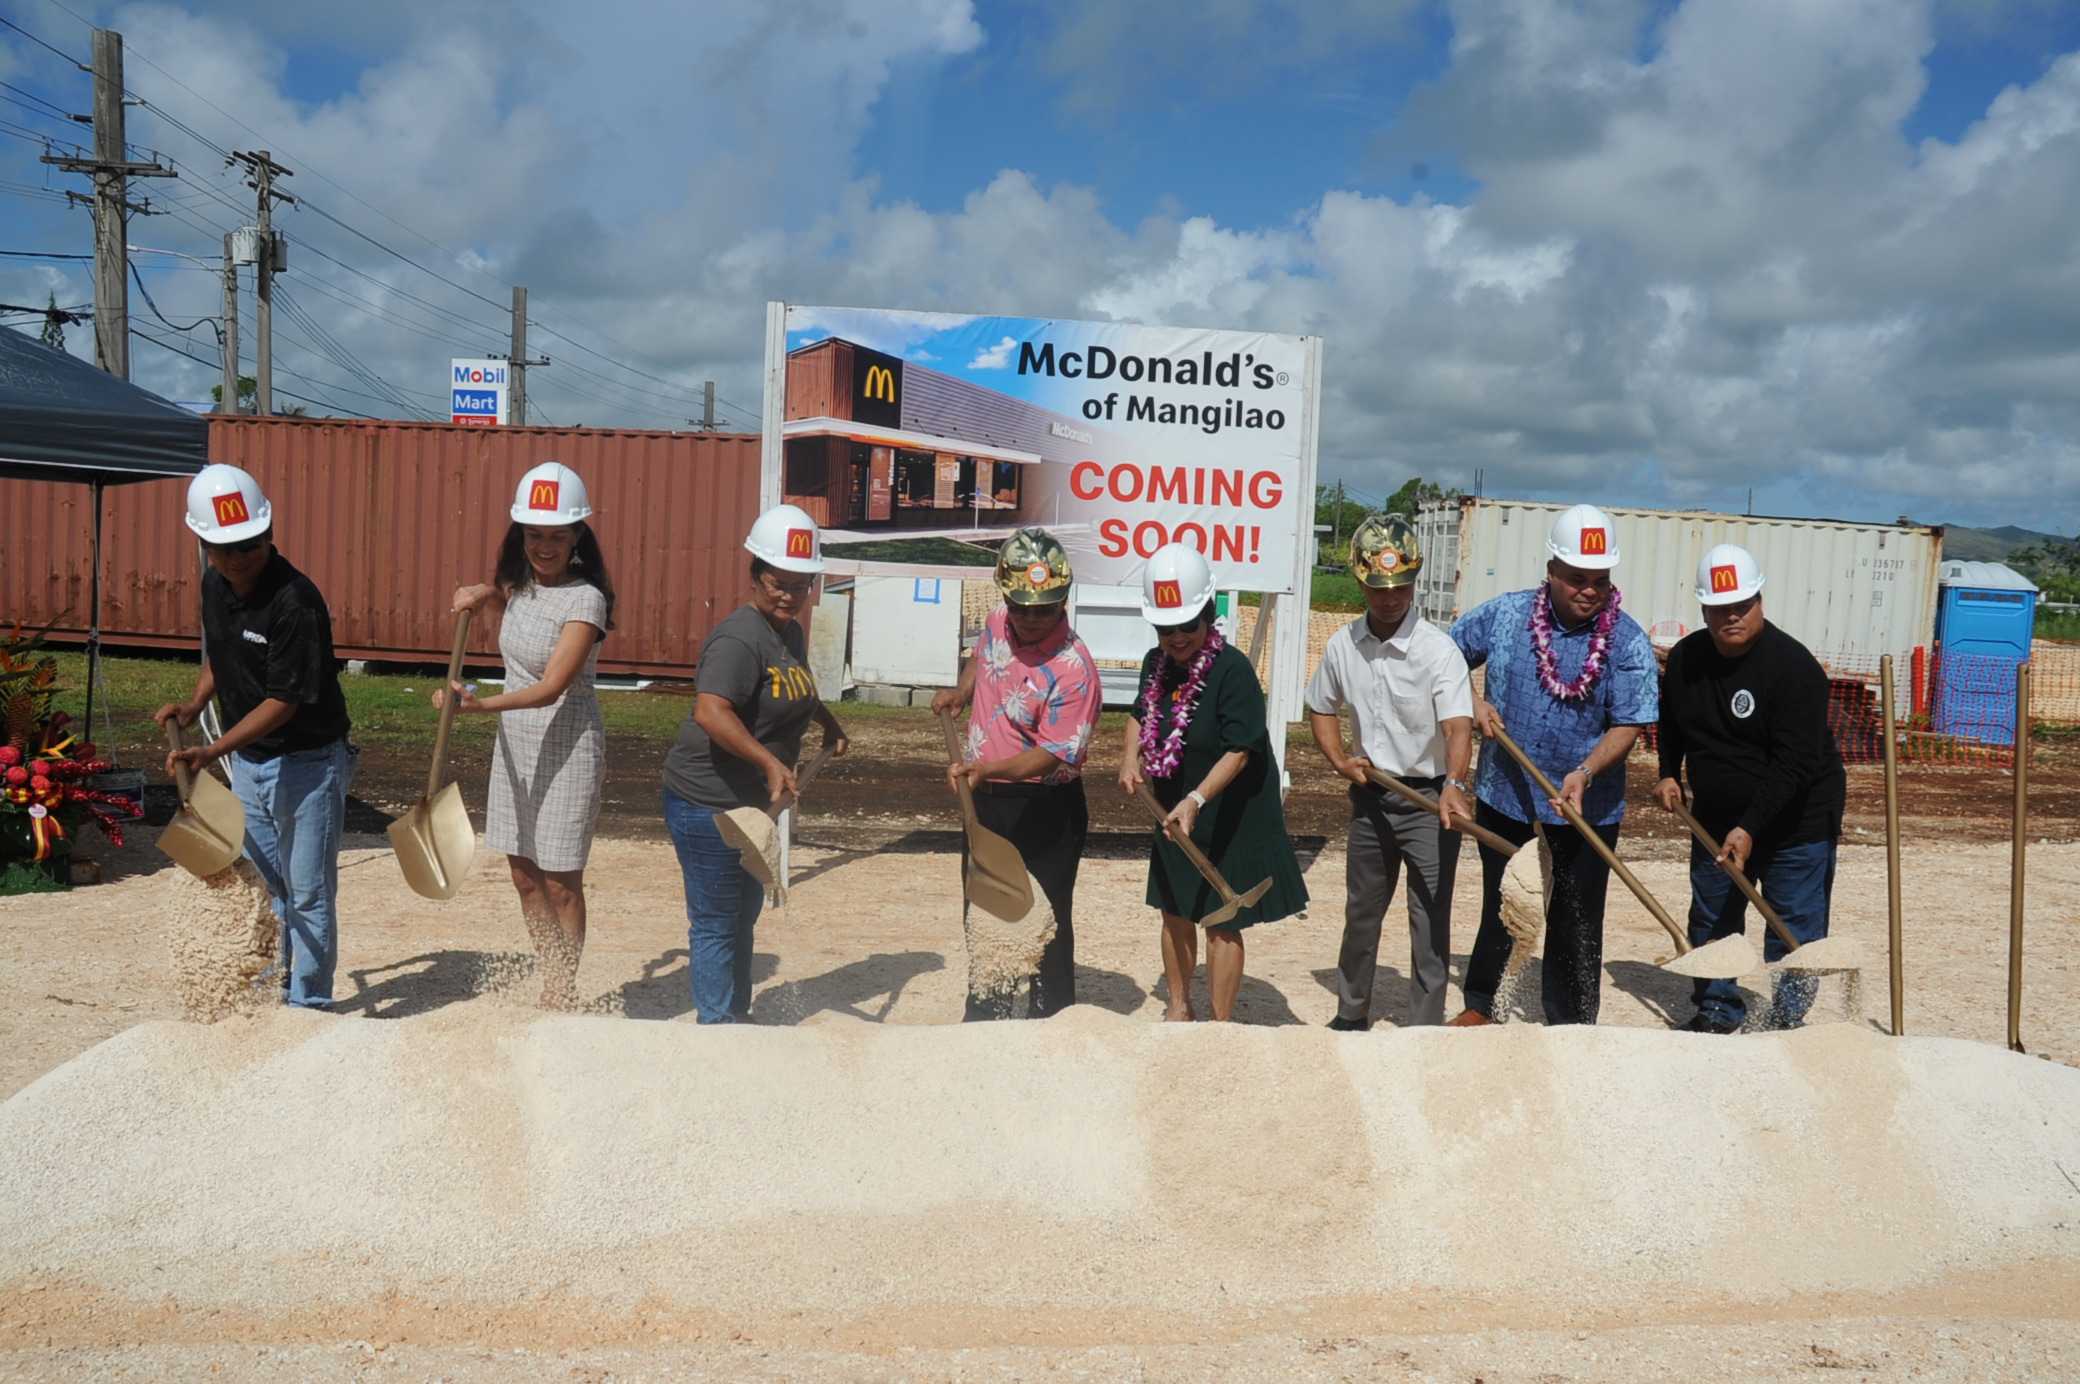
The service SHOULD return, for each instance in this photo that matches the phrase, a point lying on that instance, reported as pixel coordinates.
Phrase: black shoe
(1700, 1024)
(1342, 1025)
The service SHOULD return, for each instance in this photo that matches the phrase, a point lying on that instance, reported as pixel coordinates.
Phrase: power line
(300, 398)
(37, 254)
(33, 39)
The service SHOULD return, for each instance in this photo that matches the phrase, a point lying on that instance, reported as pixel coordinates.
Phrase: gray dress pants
(1386, 833)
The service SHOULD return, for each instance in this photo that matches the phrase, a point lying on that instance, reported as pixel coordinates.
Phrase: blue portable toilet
(1986, 615)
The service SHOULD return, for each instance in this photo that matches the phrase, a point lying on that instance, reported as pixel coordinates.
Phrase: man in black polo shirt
(1744, 707)
(285, 739)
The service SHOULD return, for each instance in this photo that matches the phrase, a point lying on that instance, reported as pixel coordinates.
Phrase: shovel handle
(1739, 877)
(959, 756)
(182, 774)
(1185, 843)
(440, 738)
(1460, 821)
(801, 781)
(1596, 843)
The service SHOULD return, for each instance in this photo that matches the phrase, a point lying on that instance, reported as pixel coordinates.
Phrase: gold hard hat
(1384, 551)
(1033, 567)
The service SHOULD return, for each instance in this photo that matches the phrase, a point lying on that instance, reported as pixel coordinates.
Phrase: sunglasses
(1189, 627)
(251, 545)
(788, 591)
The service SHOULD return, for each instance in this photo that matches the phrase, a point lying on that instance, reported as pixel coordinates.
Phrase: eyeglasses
(786, 591)
(1189, 627)
(251, 545)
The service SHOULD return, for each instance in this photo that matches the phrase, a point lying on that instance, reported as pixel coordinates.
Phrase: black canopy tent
(62, 419)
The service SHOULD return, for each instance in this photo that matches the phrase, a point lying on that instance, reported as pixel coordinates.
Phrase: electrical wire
(215, 365)
(215, 323)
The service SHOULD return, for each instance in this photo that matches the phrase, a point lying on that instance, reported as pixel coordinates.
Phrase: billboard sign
(479, 391)
(1117, 437)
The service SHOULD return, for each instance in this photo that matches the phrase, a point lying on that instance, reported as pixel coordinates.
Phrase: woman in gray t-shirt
(753, 701)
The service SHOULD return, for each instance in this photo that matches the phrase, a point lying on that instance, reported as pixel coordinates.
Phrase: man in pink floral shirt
(1035, 699)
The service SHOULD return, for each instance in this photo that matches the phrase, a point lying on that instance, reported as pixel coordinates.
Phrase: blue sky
(1649, 253)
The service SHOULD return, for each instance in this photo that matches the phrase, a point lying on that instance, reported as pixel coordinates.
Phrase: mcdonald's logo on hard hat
(1594, 543)
(1168, 596)
(231, 509)
(801, 543)
(881, 383)
(1725, 579)
(542, 494)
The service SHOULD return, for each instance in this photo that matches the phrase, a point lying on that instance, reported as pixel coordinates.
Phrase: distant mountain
(1988, 545)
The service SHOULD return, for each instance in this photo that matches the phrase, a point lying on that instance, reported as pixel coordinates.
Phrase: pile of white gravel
(483, 1159)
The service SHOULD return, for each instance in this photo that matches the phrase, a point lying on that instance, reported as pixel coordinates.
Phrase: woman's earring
(576, 562)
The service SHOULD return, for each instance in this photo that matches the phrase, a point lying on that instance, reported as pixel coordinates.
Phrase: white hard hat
(1176, 584)
(225, 505)
(1584, 537)
(551, 494)
(786, 537)
(1726, 574)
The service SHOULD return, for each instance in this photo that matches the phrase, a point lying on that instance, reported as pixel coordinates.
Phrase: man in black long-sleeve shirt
(1744, 708)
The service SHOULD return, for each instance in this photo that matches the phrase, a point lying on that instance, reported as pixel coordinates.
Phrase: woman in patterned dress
(553, 587)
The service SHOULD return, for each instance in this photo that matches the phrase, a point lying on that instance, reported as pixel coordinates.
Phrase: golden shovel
(1231, 902)
(997, 879)
(209, 831)
(1729, 958)
(752, 830)
(433, 839)
(1820, 954)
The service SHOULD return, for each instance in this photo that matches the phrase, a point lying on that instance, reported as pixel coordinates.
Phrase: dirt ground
(871, 931)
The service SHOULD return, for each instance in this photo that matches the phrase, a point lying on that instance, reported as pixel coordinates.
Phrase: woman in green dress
(1197, 736)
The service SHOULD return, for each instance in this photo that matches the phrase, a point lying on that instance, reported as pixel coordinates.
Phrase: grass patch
(1337, 591)
(929, 552)
(2062, 626)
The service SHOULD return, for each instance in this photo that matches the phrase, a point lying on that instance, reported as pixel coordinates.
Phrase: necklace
(1162, 753)
(1542, 645)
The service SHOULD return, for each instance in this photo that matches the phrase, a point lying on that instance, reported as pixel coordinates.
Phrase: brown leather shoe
(1469, 1018)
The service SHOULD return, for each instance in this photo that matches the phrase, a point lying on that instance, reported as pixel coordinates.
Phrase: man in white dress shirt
(1411, 703)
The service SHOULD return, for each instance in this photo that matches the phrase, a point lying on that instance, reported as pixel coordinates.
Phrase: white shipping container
(1848, 592)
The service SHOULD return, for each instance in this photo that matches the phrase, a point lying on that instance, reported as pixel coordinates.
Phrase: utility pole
(708, 406)
(229, 403)
(111, 170)
(517, 359)
(268, 260)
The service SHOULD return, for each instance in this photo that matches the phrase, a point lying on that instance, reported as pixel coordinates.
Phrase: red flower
(9, 756)
(84, 753)
(17, 775)
(41, 768)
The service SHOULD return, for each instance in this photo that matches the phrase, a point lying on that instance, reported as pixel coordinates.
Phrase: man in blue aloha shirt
(1572, 679)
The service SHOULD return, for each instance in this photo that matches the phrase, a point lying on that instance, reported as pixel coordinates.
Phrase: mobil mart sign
(480, 391)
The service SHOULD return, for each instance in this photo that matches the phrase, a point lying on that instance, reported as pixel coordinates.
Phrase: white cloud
(1701, 256)
(997, 357)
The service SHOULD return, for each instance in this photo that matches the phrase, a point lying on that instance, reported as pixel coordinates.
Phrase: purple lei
(1542, 644)
(1161, 753)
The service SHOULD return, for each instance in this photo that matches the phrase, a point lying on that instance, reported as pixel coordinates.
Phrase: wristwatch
(1459, 784)
(1588, 774)
(1196, 796)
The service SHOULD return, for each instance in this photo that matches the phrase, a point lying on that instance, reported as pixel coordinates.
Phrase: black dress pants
(1573, 985)
(1049, 823)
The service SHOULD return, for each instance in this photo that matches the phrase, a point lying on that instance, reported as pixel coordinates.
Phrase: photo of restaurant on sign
(1118, 437)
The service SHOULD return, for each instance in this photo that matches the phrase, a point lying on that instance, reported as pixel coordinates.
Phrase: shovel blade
(1241, 901)
(435, 844)
(1825, 954)
(754, 835)
(197, 849)
(997, 879)
(1729, 958)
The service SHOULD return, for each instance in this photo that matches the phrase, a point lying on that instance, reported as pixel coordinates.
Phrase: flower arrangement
(1542, 645)
(44, 795)
(1163, 751)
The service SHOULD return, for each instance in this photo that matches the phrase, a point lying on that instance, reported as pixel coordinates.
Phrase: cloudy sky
(1642, 253)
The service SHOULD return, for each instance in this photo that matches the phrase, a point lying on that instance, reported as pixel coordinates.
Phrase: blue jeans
(1798, 881)
(296, 806)
(722, 903)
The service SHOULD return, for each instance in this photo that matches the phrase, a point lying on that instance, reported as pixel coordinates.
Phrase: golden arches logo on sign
(881, 384)
(1725, 579)
(543, 494)
(1594, 543)
(801, 543)
(231, 509)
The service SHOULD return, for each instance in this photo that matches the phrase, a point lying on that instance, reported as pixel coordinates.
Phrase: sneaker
(1701, 1024)
(1469, 1018)
(1342, 1025)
